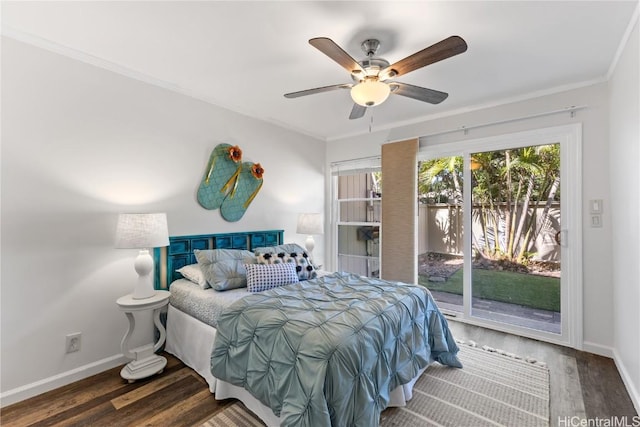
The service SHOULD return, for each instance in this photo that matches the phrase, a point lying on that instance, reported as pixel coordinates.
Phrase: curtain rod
(572, 109)
(357, 160)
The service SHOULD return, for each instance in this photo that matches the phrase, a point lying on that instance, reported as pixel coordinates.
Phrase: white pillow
(194, 273)
(261, 277)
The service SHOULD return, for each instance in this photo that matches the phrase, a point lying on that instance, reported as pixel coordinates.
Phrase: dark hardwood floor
(176, 397)
(582, 385)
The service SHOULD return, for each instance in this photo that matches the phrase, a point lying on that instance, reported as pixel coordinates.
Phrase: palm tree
(508, 188)
(440, 176)
(514, 183)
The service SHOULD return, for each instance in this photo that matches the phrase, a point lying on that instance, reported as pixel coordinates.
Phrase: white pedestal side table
(145, 362)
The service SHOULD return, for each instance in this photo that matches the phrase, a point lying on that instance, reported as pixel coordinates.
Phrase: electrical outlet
(73, 342)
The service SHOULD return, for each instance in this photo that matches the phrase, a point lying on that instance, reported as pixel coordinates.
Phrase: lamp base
(144, 288)
(309, 244)
(144, 267)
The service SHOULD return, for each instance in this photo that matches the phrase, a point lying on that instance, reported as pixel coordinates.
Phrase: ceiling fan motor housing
(371, 65)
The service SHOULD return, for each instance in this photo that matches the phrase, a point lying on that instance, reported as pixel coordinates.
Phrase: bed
(317, 372)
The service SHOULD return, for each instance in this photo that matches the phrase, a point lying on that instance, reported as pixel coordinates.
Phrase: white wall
(81, 144)
(597, 263)
(624, 159)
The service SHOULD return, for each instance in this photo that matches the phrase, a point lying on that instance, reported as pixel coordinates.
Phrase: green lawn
(505, 286)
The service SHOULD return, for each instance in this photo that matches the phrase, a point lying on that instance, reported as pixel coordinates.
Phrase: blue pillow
(224, 268)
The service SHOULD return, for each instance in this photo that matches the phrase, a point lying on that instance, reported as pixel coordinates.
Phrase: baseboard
(30, 390)
(601, 350)
(632, 388)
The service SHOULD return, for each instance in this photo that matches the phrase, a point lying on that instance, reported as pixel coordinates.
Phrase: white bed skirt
(191, 341)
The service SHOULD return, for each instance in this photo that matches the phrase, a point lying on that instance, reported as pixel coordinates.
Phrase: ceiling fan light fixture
(370, 93)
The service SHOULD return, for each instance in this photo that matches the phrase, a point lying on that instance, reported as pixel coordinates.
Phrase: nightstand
(145, 362)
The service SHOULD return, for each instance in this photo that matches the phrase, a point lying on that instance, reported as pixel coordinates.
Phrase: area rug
(493, 389)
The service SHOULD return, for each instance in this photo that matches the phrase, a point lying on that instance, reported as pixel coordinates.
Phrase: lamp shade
(310, 223)
(369, 93)
(148, 230)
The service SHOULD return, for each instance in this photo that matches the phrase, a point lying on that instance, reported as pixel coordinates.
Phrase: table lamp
(309, 224)
(142, 231)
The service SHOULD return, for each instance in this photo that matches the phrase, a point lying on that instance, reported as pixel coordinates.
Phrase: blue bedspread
(328, 351)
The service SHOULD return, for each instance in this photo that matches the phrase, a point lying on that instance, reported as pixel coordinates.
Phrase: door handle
(561, 238)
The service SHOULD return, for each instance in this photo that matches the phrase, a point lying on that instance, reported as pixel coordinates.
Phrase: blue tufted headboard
(180, 250)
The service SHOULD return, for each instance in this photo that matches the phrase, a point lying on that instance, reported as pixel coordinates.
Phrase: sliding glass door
(516, 223)
(495, 246)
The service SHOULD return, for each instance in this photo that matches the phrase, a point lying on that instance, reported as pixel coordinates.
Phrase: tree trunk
(524, 213)
(547, 206)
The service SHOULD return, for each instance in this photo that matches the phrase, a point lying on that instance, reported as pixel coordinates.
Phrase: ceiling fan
(372, 75)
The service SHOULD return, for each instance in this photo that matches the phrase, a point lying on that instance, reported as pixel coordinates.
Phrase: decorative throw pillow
(224, 268)
(271, 258)
(286, 248)
(304, 266)
(291, 253)
(194, 273)
(261, 277)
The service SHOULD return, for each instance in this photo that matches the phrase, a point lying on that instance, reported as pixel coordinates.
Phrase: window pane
(357, 217)
(359, 249)
(360, 210)
(440, 233)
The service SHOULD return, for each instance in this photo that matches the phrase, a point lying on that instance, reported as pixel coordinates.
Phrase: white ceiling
(245, 55)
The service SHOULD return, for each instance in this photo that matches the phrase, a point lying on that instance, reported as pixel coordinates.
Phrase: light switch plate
(595, 206)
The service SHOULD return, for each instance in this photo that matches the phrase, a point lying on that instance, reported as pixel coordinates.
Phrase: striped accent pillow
(261, 277)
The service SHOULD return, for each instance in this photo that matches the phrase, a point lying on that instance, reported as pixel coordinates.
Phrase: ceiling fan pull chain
(371, 123)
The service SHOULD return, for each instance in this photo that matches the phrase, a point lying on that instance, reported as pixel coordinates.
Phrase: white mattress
(191, 341)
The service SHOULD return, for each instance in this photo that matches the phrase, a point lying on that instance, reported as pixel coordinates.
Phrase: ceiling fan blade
(416, 92)
(335, 52)
(357, 111)
(317, 90)
(444, 49)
